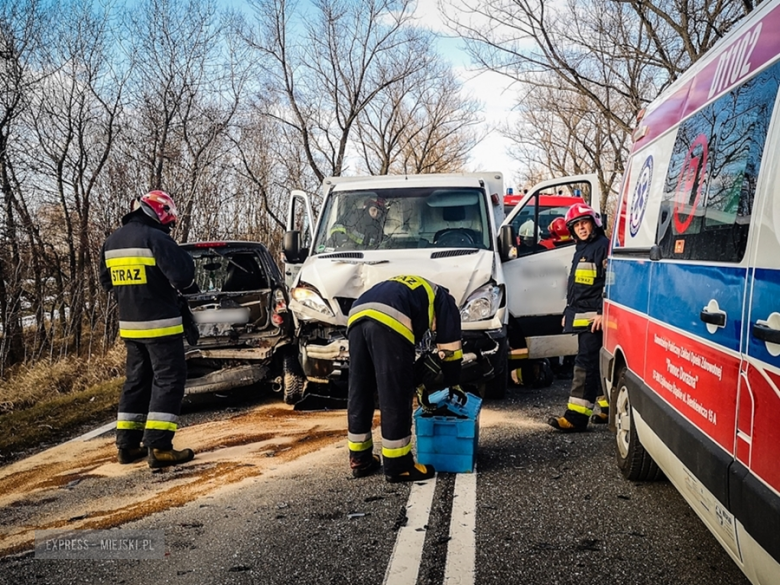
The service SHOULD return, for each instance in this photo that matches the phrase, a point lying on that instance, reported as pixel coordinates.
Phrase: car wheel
(632, 459)
(544, 374)
(293, 378)
(496, 388)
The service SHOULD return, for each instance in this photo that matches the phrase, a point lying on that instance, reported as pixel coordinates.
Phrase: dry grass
(50, 401)
(56, 419)
(45, 380)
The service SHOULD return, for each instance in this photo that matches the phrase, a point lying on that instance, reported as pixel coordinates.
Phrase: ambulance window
(711, 182)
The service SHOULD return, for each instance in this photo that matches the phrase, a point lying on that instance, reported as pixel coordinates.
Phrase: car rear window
(228, 271)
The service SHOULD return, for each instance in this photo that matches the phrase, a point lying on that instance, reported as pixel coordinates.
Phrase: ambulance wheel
(496, 388)
(293, 378)
(632, 459)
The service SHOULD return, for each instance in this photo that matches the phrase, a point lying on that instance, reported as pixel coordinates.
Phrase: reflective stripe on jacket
(408, 305)
(588, 275)
(144, 267)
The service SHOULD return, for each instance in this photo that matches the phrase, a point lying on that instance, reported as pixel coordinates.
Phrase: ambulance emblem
(641, 194)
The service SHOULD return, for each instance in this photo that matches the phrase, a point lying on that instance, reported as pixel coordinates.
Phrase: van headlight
(482, 303)
(311, 300)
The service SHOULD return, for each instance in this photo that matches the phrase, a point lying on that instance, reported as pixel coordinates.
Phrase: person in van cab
(363, 228)
(583, 317)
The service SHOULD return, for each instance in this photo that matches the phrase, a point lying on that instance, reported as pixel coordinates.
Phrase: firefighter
(583, 316)
(363, 228)
(144, 267)
(385, 324)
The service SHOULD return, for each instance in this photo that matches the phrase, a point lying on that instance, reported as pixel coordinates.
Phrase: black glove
(191, 333)
(428, 372)
(451, 372)
(423, 400)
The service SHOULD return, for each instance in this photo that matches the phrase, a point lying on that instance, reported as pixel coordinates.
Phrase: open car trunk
(241, 315)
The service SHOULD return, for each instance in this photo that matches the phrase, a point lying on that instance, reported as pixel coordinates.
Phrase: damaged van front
(370, 229)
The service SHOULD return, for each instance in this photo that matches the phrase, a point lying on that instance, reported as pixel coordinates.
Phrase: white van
(440, 226)
(444, 227)
(691, 356)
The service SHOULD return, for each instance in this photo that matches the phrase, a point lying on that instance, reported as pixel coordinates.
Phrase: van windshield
(423, 217)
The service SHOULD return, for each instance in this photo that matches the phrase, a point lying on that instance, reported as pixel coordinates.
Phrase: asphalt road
(547, 508)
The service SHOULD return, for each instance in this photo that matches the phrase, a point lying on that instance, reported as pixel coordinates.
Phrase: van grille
(451, 253)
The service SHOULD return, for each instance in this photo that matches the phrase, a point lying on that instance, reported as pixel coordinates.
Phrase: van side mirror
(506, 243)
(291, 247)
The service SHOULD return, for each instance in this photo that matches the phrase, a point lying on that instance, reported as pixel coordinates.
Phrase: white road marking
(407, 552)
(460, 568)
(95, 432)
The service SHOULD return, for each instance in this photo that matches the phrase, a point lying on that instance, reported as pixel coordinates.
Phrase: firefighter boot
(368, 468)
(127, 455)
(562, 423)
(159, 458)
(419, 472)
(601, 417)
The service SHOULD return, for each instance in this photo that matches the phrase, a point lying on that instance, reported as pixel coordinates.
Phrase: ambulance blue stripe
(680, 292)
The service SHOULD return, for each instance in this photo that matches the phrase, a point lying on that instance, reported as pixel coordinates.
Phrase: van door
(755, 477)
(299, 235)
(537, 278)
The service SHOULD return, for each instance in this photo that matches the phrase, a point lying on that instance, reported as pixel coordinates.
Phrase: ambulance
(691, 356)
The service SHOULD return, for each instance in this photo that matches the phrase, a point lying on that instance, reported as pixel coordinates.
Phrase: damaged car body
(245, 329)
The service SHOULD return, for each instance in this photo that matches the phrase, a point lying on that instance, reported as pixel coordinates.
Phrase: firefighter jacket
(144, 267)
(588, 274)
(408, 305)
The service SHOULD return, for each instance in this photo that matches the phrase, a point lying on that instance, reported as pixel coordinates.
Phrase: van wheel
(632, 459)
(294, 380)
(496, 388)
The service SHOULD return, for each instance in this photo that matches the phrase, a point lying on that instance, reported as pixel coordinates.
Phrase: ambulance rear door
(755, 475)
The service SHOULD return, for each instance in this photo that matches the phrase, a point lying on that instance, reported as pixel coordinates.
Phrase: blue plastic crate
(449, 443)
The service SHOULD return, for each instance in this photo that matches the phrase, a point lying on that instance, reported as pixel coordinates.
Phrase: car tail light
(280, 307)
(280, 303)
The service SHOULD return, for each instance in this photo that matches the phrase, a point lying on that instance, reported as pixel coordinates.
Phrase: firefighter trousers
(151, 398)
(585, 385)
(381, 362)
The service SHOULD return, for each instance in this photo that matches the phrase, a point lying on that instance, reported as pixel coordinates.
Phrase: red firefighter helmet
(159, 205)
(580, 211)
(559, 231)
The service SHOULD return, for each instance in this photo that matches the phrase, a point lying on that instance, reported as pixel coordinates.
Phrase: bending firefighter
(583, 316)
(385, 324)
(144, 267)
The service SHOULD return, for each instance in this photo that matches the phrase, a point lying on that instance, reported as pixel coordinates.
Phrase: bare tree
(422, 124)
(22, 42)
(74, 116)
(184, 94)
(557, 132)
(347, 54)
(616, 54)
